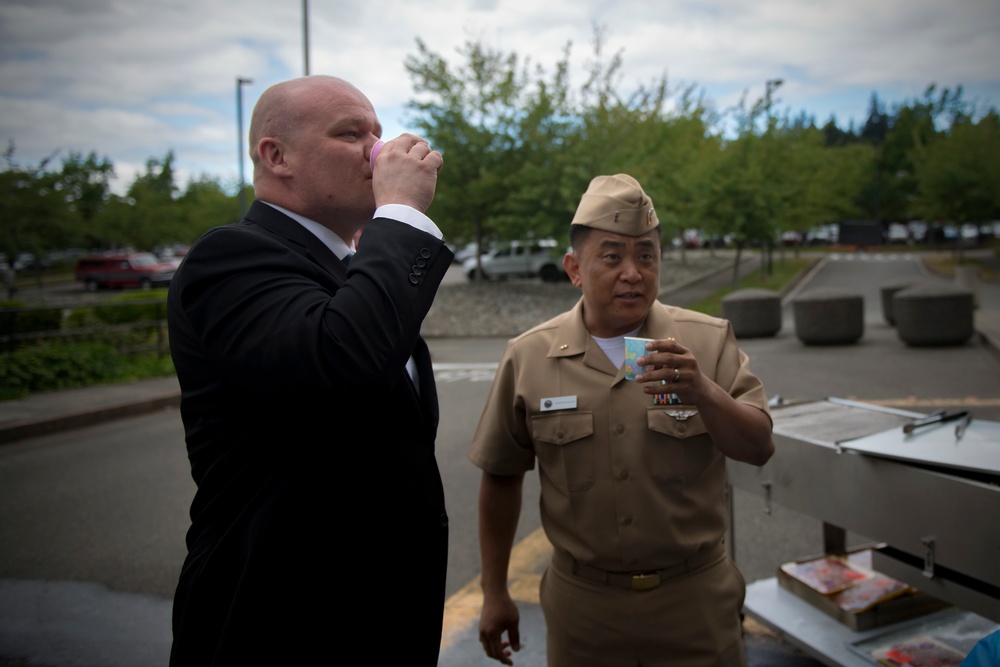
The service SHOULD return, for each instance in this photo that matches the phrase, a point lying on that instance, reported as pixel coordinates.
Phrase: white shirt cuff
(410, 216)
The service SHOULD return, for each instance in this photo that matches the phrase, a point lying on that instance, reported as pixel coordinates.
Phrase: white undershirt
(614, 348)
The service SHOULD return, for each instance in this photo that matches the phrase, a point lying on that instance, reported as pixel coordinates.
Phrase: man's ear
(271, 153)
(572, 265)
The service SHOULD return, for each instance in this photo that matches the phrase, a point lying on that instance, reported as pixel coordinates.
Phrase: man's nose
(629, 272)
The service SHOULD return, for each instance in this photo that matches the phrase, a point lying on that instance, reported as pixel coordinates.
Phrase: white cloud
(134, 79)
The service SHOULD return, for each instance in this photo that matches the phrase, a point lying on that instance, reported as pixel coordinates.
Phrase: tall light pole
(305, 36)
(239, 125)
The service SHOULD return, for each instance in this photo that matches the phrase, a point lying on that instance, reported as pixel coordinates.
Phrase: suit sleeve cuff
(410, 216)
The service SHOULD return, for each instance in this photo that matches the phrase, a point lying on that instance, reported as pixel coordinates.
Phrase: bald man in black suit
(308, 398)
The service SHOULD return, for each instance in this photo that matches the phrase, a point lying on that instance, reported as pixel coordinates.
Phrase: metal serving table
(932, 498)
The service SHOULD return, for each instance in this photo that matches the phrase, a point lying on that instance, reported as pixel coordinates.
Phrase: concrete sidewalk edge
(21, 429)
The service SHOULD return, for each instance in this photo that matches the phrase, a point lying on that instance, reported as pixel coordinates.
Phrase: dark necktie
(347, 259)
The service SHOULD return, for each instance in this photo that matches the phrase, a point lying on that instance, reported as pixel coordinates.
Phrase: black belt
(645, 580)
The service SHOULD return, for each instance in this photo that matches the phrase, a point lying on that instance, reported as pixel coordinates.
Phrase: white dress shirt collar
(341, 248)
(327, 236)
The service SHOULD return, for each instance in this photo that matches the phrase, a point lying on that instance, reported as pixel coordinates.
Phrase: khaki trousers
(689, 621)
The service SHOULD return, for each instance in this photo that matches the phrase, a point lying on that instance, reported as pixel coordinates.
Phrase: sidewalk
(40, 414)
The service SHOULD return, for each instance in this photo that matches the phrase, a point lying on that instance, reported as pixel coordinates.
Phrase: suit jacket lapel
(297, 237)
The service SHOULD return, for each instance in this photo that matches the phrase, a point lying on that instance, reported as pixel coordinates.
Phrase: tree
(203, 205)
(148, 214)
(834, 136)
(519, 146)
(958, 174)
(31, 211)
(668, 150)
(84, 184)
(479, 115)
(813, 182)
(877, 124)
(893, 186)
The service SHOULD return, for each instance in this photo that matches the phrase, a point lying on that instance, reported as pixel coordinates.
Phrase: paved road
(92, 521)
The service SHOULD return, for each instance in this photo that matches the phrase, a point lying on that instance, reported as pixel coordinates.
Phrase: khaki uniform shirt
(625, 484)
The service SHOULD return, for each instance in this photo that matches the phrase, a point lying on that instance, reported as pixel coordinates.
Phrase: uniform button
(421, 262)
(416, 270)
(627, 520)
(559, 435)
(444, 520)
(623, 474)
(681, 428)
(620, 429)
(425, 253)
(413, 279)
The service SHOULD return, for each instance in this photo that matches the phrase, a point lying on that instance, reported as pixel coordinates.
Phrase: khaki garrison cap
(616, 204)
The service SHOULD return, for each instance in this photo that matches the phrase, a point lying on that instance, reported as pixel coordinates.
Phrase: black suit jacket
(318, 495)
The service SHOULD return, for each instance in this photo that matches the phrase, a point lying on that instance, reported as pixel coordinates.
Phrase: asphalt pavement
(48, 413)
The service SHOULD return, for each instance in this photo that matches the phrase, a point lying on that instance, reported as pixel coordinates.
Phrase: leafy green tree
(666, 145)
(813, 183)
(743, 191)
(204, 204)
(148, 214)
(85, 186)
(834, 136)
(736, 193)
(520, 147)
(893, 187)
(958, 174)
(31, 211)
(877, 124)
(469, 113)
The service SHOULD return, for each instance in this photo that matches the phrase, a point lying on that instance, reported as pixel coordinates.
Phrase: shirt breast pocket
(686, 451)
(564, 445)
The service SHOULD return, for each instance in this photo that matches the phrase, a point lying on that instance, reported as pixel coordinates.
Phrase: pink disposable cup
(376, 149)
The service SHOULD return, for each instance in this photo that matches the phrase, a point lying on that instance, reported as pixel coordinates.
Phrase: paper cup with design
(635, 348)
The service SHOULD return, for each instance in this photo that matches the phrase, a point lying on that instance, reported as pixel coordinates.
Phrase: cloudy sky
(133, 79)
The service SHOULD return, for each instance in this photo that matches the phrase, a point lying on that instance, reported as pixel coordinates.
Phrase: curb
(30, 428)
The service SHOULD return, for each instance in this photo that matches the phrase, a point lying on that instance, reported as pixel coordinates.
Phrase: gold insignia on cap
(616, 204)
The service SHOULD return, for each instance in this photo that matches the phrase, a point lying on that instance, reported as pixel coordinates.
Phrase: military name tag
(558, 403)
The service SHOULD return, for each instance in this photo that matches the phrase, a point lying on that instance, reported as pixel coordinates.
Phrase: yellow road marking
(527, 559)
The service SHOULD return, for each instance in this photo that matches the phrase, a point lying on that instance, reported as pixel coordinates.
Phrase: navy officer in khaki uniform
(632, 472)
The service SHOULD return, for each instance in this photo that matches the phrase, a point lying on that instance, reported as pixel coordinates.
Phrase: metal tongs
(940, 417)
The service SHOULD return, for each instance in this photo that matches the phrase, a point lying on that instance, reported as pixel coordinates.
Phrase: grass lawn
(784, 272)
(945, 266)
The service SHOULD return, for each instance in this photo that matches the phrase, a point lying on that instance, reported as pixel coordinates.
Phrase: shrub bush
(99, 320)
(26, 321)
(119, 311)
(52, 367)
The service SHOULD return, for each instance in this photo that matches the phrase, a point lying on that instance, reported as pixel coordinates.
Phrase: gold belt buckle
(645, 581)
